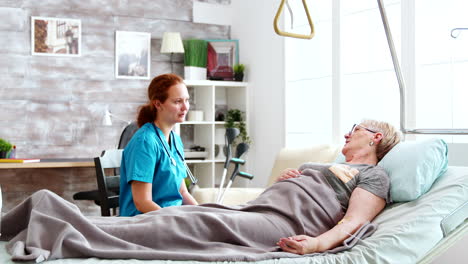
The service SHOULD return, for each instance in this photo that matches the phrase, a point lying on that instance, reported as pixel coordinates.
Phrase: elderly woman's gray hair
(391, 136)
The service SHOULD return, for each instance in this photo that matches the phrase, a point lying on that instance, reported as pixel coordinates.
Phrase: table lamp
(172, 43)
(107, 119)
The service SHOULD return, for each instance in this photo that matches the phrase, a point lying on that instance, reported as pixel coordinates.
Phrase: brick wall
(52, 107)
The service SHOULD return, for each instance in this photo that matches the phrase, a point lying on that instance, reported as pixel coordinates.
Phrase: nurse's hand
(288, 173)
(187, 198)
(301, 244)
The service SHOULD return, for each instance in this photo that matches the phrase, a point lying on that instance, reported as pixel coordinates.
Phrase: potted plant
(195, 59)
(235, 118)
(239, 72)
(5, 148)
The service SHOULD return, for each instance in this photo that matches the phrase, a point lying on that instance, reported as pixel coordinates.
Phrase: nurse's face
(176, 106)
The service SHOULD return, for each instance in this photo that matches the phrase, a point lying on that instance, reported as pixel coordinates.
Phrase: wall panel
(52, 107)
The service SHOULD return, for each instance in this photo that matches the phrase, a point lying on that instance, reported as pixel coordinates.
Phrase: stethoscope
(173, 161)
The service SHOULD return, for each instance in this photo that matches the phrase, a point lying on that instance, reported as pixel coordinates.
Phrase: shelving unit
(211, 97)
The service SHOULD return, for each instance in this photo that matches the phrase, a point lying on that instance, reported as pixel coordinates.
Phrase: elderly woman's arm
(363, 207)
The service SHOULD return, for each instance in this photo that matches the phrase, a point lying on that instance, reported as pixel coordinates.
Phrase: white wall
(262, 51)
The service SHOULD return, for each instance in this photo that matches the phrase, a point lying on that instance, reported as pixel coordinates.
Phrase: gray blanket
(46, 227)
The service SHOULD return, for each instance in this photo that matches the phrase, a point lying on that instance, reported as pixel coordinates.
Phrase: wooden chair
(108, 183)
(125, 137)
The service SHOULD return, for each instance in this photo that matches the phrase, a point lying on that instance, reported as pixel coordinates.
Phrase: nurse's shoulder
(144, 137)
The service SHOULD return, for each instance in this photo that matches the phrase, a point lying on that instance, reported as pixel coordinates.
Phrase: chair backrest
(127, 134)
(108, 185)
(125, 137)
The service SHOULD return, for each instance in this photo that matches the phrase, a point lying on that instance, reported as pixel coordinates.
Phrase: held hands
(300, 244)
(288, 173)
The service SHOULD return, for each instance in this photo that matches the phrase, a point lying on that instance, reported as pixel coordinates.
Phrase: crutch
(241, 149)
(231, 134)
(193, 179)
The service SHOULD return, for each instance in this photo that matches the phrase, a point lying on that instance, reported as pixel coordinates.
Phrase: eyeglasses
(356, 126)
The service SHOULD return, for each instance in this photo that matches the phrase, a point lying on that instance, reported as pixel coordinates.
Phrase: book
(19, 160)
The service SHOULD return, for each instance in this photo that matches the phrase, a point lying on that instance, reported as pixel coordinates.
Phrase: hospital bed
(415, 231)
(408, 232)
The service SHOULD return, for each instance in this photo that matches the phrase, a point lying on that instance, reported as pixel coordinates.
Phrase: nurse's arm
(186, 196)
(142, 197)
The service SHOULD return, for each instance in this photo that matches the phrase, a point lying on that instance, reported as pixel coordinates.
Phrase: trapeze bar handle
(290, 34)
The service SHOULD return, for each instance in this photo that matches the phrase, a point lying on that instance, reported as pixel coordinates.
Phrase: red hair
(157, 90)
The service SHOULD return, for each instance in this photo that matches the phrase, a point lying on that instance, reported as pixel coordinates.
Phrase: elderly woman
(358, 182)
(313, 209)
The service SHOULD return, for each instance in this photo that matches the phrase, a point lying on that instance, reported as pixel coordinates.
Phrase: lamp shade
(106, 120)
(172, 43)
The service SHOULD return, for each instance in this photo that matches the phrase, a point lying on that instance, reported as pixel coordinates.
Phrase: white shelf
(204, 161)
(214, 83)
(189, 161)
(197, 123)
(203, 123)
(210, 96)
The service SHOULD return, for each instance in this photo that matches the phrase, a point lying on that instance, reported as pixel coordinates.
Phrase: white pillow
(413, 166)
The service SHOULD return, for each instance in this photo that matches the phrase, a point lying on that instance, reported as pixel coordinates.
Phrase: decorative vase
(194, 73)
(219, 152)
(4, 154)
(239, 76)
(219, 143)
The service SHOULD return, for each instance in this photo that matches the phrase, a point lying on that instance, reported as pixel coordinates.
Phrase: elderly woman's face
(357, 138)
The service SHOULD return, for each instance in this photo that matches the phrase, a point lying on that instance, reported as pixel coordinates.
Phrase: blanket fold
(46, 227)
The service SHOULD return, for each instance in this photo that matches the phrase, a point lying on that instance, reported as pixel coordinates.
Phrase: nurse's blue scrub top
(148, 158)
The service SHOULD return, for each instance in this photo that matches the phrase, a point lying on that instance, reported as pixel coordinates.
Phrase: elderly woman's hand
(288, 173)
(301, 244)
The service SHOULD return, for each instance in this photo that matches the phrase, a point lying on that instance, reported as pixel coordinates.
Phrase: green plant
(239, 68)
(5, 146)
(235, 118)
(195, 52)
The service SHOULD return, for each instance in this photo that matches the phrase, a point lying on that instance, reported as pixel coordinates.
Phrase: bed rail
(454, 219)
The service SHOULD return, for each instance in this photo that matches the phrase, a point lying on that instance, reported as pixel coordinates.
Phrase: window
(61, 28)
(362, 74)
(309, 76)
(441, 64)
(369, 88)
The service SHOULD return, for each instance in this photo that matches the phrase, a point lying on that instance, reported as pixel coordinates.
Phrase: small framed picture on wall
(132, 55)
(55, 36)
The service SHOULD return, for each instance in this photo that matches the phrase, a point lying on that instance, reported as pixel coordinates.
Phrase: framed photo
(132, 55)
(55, 36)
(222, 55)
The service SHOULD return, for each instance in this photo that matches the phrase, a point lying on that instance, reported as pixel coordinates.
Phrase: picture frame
(132, 55)
(223, 54)
(52, 36)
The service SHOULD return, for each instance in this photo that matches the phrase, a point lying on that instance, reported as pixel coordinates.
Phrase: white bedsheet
(406, 233)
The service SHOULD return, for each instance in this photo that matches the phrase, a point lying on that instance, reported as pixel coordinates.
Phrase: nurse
(153, 169)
